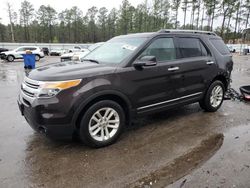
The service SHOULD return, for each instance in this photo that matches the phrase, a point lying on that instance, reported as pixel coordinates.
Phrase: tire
(98, 137)
(214, 97)
(10, 58)
(37, 57)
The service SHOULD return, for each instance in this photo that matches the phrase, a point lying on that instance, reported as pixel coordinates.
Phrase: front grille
(34, 86)
(28, 93)
(30, 87)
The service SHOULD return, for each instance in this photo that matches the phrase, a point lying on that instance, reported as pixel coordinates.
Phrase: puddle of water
(10, 76)
(183, 164)
(231, 160)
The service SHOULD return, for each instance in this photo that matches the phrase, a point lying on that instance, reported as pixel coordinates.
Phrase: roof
(169, 31)
(187, 31)
(146, 34)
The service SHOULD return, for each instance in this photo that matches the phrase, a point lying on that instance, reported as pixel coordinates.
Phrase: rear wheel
(214, 96)
(102, 124)
(10, 58)
(37, 57)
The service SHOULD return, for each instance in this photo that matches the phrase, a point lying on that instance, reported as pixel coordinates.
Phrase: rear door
(197, 64)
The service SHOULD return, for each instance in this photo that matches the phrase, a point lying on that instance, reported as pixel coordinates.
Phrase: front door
(151, 87)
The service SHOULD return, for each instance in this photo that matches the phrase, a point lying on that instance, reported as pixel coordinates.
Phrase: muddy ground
(184, 147)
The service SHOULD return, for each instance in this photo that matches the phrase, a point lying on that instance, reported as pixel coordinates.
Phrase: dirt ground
(183, 147)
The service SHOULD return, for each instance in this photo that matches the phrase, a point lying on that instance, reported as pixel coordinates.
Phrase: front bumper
(2, 56)
(48, 126)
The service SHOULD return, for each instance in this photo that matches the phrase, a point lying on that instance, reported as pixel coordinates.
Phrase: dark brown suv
(129, 75)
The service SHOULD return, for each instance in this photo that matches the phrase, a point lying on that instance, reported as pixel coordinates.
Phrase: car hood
(69, 71)
(8, 52)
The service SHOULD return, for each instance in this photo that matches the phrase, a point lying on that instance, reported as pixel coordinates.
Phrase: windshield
(94, 46)
(115, 50)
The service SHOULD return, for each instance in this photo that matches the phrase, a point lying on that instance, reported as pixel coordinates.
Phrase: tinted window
(220, 46)
(163, 49)
(30, 48)
(21, 49)
(204, 50)
(191, 47)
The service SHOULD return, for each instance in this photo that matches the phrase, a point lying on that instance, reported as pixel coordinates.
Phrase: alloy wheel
(216, 96)
(104, 124)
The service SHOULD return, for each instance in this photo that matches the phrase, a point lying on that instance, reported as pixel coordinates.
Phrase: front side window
(20, 49)
(115, 50)
(162, 48)
(192, 47)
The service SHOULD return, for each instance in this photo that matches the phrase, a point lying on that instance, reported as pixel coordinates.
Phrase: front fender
(93, 90)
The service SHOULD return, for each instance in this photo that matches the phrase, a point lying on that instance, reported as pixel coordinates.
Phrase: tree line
(72, 26)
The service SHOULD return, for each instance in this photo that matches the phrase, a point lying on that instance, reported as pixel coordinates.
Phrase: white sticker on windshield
(129, 47)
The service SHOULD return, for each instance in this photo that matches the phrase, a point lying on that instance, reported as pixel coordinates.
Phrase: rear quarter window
(220, 46)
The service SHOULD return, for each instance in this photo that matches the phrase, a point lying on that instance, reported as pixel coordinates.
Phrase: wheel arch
(118, 97)
(223, 79)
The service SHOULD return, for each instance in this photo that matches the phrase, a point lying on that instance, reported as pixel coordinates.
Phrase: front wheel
(102, 124)
(214, 96)
(10, 58)
(37, 57)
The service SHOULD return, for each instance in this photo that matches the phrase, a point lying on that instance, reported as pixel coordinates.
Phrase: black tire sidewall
(10, 56)
(84, 126)
(206, 104)
(37, 57)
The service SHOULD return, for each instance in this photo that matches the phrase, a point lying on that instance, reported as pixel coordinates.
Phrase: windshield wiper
(91, 60)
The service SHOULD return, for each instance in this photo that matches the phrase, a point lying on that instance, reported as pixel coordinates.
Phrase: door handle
(173, 68)
(210, 62)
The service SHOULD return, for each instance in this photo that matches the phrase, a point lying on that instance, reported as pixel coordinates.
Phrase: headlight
(50, 89)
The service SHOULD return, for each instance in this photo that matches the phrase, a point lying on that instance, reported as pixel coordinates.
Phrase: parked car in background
(3, 50)
(57, 52)
(68, 56)
(80, 48)
(77, 56)
(45, 50)
(231, 48)
(17, 53)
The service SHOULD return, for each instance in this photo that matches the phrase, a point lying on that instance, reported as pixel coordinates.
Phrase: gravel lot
(184, 147)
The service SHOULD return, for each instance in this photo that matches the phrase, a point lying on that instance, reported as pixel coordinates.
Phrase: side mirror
(145, 61)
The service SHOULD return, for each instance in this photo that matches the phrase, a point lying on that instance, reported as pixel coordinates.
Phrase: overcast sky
(60, 5)
(84, 5)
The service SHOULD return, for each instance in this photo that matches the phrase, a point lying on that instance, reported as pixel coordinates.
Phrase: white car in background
(17, 53)
(57, 52)
(80, 48)
(77, 56)
(68, 56)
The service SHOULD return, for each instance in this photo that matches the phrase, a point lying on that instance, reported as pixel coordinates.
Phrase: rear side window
(192, 47)
(220, 46)
(30, 48)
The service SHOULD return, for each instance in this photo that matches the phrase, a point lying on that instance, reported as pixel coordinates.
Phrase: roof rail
(186, 31)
